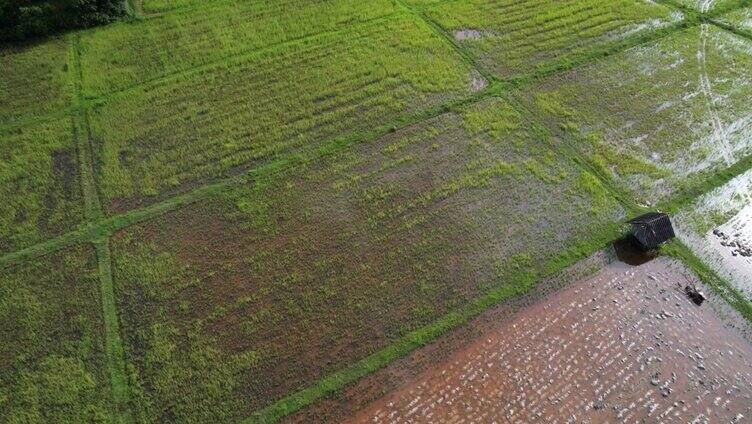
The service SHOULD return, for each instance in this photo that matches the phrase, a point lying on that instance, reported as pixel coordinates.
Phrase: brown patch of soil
(625, 345)
(403, 371)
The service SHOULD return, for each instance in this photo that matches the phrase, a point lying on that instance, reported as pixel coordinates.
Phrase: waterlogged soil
(718, 229)
(623, 346)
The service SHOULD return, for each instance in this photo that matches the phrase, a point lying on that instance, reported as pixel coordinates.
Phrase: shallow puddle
(624, 346)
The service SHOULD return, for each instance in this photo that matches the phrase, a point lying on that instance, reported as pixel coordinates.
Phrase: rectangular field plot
(122, 55)
(718, 228)
(157, 138)
(229, 304)
(38, 183)
(53, 367)
(512, 38)
(662, 117)
(33, 80)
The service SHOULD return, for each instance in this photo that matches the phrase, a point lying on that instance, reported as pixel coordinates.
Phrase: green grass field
(227, 211)
(54, 367)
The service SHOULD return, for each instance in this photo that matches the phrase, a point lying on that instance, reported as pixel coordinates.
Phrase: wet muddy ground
(726, 247)
(625, 345)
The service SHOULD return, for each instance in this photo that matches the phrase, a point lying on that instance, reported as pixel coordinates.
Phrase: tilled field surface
(623, 346)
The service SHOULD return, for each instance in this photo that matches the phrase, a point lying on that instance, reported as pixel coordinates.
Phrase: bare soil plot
(230, 304)
(513, 38)
(39, 187)
(119, 56)
(33, 80)
(52, 361)
(718, 228)
(661, 117)
(155, 139)
(623, 346)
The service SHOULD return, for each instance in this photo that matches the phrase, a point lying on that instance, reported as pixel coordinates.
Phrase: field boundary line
(439, 31)
(104, 227)
(706, 15)
(719, 285)
(131, 10)
(422, 336)
(116, 363)
(120, 221)
(83, 141)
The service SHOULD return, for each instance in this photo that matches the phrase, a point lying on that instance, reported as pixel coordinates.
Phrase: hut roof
(652, 229)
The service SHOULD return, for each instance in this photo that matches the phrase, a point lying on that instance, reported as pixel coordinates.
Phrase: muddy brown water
(623, 346)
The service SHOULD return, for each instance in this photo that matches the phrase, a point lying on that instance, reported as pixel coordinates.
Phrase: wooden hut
(651, 230)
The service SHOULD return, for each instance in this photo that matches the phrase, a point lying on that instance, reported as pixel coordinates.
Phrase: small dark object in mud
(651, 230)
(696, 296)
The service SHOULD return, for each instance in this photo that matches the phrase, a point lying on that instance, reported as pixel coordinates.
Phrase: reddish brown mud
(623, 346)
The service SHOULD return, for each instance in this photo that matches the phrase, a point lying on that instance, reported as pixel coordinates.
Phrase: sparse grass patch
(52, 363)
(156, 139)
(33, 81)
(38, 183)
(272, 285)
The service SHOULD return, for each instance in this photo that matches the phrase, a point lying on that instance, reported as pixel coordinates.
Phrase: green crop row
(157, 138)
(129, 53)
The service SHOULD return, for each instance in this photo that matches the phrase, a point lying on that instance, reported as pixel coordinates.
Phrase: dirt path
(621, 346)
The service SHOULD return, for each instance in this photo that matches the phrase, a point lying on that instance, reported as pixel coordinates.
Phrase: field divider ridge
(83, 141)
(106, 226)
(731, 28)
(114, 350)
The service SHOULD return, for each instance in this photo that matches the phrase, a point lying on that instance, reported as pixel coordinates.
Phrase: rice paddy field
(248, 211)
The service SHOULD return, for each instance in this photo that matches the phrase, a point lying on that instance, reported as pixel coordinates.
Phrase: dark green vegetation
(21, 19)
(53, 366)
(283, 197)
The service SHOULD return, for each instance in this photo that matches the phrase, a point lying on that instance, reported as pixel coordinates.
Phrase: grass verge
(114, 345)
(82, 139)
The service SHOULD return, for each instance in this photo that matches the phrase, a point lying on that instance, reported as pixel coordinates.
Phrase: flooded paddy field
(625, 345)
(661, 118)
(718, 228)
